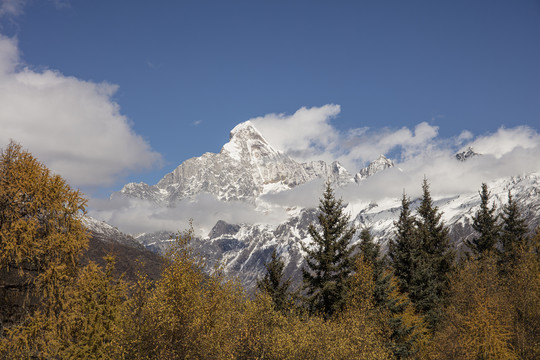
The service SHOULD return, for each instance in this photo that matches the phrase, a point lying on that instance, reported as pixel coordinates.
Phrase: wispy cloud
(11, 7)
(197, 123)
(137, 216)
(73, 126)
(62, 4)
(152, 65)
(15, 8)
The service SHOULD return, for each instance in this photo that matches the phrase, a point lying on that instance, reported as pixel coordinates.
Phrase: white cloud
(309, 135)
(305, 135)
(417, 152)
(369, 144)
(508, 152)
(506, 140)
(11, 7)
(465, 135)
(137, 216)
(73, 126)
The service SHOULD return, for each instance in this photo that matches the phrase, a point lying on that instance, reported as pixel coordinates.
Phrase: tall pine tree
(485, 224)
(404, 248)
(513, 232)
(403, 325)
(370, 252)
(429, 281)
(273, 283)
(328, 261)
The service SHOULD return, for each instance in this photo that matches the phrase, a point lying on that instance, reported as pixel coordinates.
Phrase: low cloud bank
(136, 216)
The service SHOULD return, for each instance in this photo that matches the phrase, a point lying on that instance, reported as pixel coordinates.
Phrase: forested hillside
(422, 300)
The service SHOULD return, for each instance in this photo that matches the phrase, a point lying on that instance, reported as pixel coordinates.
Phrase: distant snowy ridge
(378, 165)
(466, 154)
(248, 167)
(243, 249)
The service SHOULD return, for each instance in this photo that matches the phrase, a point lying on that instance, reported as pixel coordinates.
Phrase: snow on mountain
(466, 154)
(248, 167)
(107, 232)
(243, 249)
(378, 165)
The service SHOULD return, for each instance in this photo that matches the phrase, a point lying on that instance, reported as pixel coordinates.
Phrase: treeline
(417, 302)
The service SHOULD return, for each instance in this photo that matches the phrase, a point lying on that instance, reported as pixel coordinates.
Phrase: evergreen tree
(513, 233)
(273, 284)
(429, 282)
(329, 261)
(485, 223)
(370, 252)
(369, 249)
(404, 248)
(404, 326)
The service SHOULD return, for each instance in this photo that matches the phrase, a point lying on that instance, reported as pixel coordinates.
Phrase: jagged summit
(466, 154)
(378, 165)
(245, 141)
(246, 130)
(246, 167)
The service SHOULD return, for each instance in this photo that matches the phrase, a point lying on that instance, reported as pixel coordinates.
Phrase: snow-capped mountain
(466, 154)
(248, 167)
(243, 249)
(382, 163)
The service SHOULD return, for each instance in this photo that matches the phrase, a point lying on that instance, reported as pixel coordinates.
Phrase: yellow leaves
(187, 314)
(479, 318)
(39, 213)
(80, 323)
(524, 298)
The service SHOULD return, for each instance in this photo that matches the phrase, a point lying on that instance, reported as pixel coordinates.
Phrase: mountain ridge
(248, 167)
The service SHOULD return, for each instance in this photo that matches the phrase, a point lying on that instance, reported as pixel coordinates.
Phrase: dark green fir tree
(370, 252)
(429, 282)
(274, 284)
(404, 247)
(329, 260)
(513, 232)
(485, 224)
(401, 336)
(369, 249)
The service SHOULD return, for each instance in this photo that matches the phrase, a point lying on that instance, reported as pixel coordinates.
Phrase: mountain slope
(248, 167)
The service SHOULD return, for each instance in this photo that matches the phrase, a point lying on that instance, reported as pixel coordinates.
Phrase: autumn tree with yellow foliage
(41, 235)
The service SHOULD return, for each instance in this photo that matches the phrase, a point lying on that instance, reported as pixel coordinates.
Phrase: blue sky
(177, 76)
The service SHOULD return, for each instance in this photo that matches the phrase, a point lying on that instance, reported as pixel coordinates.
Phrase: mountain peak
(246, 167)
(243, 139)
(380, 164)
(246, 130)
(466, 154)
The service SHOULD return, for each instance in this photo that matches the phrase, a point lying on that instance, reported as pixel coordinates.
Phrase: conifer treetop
(329, 258)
